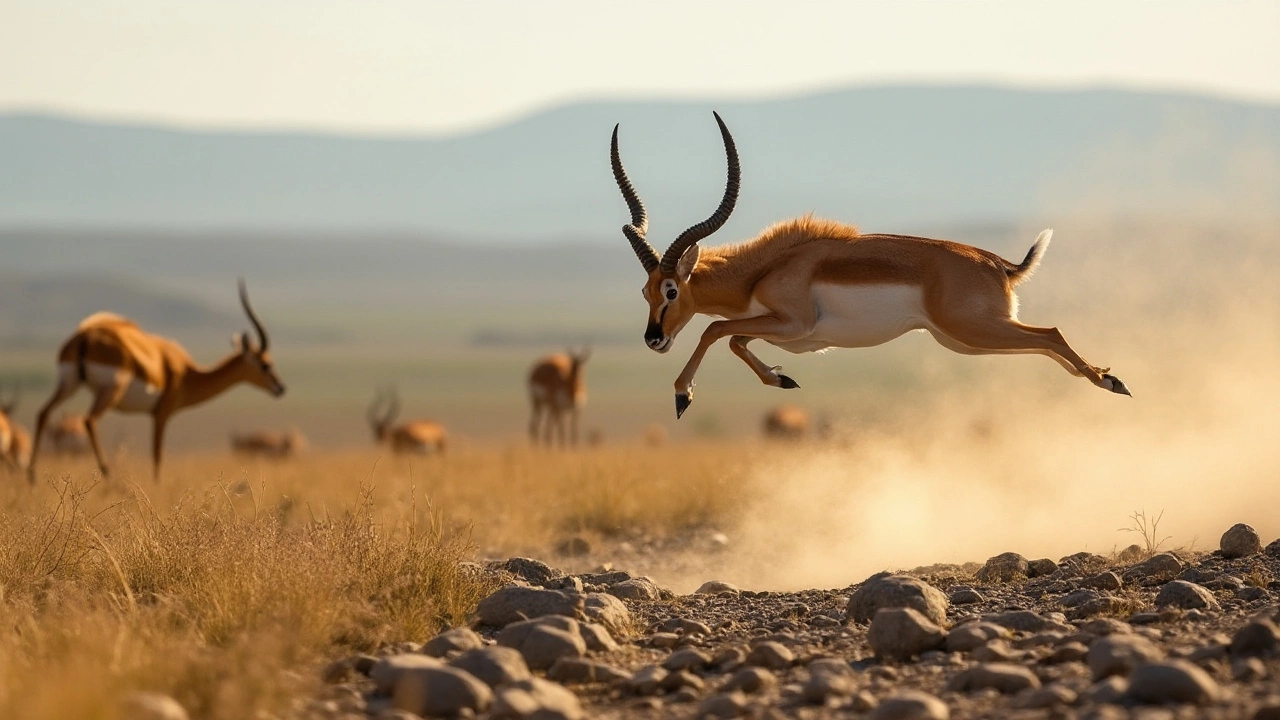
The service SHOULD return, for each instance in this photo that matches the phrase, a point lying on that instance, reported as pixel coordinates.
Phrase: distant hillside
(34, 310)
(895, 158)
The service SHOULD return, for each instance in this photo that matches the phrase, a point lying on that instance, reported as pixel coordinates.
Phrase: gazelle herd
(802, 285)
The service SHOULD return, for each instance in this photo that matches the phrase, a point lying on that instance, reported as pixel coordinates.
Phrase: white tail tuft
(1024, 270)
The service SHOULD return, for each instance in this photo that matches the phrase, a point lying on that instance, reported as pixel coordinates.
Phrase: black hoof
(786, 383)
(1117, 385)
(682, 403)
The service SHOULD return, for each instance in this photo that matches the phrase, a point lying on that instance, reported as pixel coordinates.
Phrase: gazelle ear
(688, 261)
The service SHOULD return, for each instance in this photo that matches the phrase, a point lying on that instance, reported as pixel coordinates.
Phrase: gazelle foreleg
(68, 383)
(1008, 336)
(765, 327)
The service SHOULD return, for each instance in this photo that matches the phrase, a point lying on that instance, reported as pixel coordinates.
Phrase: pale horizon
(441, 68)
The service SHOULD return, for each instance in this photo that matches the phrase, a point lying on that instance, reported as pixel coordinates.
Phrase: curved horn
(719, 217)
(393, 410)
(635, 232)
(372, 412)
(263, 339)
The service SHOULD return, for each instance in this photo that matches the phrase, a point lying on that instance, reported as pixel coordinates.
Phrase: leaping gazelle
(808, 284)
(130, 370)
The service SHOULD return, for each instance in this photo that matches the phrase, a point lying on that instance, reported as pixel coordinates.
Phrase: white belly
(138, 397)
(853, 316)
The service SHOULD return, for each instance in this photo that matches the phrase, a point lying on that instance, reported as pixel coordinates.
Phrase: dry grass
(228, 585)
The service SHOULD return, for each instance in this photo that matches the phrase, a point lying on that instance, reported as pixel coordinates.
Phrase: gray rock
(536, 699)
(640, 588)
(1041, 568)
(1172, 681)
(1252, 594)
(770, 654)
(1083, 563)
(646, 680)
(1070, 652)
(996, 651)
(494, 665)
(1273, 548)
(1240, 541)
(821, 686)
(911, 705)
(1103, 605)
(1259, 637)
(964, 595)
(1155, 570)
(534, 572)
(517, 602)
(1247, 669)
(903, 633)
(1107, 626)
(723, 705)
(1107, 580)
(686, 659)
(1120, 654)
(973, 635)
(388, 670)
(582, 670)
(597, 637)
(1185, 595)
(1079, 597)
(1049, 696)
(685, 626)
(152, 706)
(1006, 678)
(1003, 568)
(543, 641)
(1026, 621)
(680, 680)
(751, 680)
(829, 666)
(1108, 691)
(451, 642)
(608, 611)
(440, 690)
(715, 587)
(664, 639)
(896, 591)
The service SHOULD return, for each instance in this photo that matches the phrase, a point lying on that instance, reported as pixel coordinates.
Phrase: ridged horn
(719, 217)
(635, 232)
(263, 339)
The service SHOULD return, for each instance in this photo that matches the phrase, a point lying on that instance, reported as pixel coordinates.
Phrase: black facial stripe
(663, 315)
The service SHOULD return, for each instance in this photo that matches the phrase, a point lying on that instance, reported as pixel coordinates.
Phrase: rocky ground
(1140, 635)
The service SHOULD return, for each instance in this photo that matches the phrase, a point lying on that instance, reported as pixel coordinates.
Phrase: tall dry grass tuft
(215, 601)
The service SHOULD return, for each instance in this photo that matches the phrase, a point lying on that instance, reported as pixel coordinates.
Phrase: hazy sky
(414, 65)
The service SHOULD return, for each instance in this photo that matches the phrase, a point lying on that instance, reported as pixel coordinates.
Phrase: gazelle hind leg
(106, 399)
(769, 375)
(1008, 336)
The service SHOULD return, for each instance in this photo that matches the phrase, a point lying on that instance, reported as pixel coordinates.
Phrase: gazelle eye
(671, 294)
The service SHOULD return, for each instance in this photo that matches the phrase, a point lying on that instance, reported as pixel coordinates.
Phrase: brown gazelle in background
(269, 443)
(786, 422)
(411, 436)
(67, 436)
(806, 285)
(557, 389)
(130, 370)
(15, 441)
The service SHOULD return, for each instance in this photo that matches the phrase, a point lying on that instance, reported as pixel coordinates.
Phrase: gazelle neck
(200, 384)
(721, 283)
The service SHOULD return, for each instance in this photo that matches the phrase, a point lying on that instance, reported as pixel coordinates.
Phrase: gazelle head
(671, 305)
(380, 421)
(256, 360)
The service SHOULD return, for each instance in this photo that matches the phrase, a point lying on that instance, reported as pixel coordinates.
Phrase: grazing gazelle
(557, 387)
(15, 441)
(67, 436)
(412, 436)
(130, 370)
(786, 422)
(269, 443)
(807, 284)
